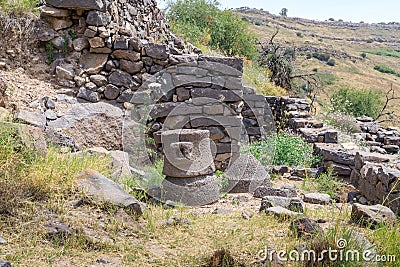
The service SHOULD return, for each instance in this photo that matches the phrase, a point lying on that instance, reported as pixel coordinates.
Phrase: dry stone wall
(105, 49)
(117, 51)
(294, 114)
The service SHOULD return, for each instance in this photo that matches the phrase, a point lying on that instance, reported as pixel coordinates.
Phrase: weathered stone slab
(77, 4)
(102, 189)
(372, 216)
(246, 174)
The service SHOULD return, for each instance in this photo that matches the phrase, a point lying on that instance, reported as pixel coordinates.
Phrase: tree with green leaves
(284, 12)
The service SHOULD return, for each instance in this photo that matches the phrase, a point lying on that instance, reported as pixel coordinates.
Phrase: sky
(372, 11)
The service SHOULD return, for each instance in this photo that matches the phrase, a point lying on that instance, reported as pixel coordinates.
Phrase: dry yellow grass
(359, 75)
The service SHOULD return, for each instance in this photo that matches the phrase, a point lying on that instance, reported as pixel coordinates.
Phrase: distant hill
(344, 42)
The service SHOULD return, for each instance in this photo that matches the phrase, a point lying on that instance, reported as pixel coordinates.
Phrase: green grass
(27, 175)
(384, 51)
(327, 183)
(327, 78)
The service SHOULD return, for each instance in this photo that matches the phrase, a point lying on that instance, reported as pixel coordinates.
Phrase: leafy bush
(283, 149)
(331, 62)
(18, 6)
(357, 102)
(386, 69)
(363, 55)
(299, 34)
(322, 57)
(202, 22)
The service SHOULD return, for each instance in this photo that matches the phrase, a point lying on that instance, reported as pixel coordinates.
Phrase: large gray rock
(293, 204)
(282, 212)
(77, 4)
(54, 12)
(80, 43)
(88, 95)
(317, 198)
(198, 191)
(102, 189)
(5, 264)
(131, 67)
(306, 227)
(246, 174)
(371, 216)
(92, 125)
(157, 51)
(121, 78)
(32, 118)
(98, 18)
(93, 63)
(335, 153)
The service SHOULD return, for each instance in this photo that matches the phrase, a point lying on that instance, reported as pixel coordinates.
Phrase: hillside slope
(342, 41)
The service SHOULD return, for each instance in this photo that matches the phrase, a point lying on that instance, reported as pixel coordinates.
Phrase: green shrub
(18, 6)
(299, 34)
(357, 102)
(315, 69)
(331, 62)
(258, 23)
(322, 57)
(363, 55)
(386, 69)
(283, 149)
(202, 22)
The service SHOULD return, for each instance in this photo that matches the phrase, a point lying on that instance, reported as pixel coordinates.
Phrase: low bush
(357, 102)
(331, 62)
(284, 149)
(18, 6)
(386, 69)
(343, 122)
(322, 57)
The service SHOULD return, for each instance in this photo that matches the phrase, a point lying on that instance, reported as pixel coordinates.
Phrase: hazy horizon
(368, 11)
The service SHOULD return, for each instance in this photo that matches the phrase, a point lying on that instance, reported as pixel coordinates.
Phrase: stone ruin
(122, 53)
